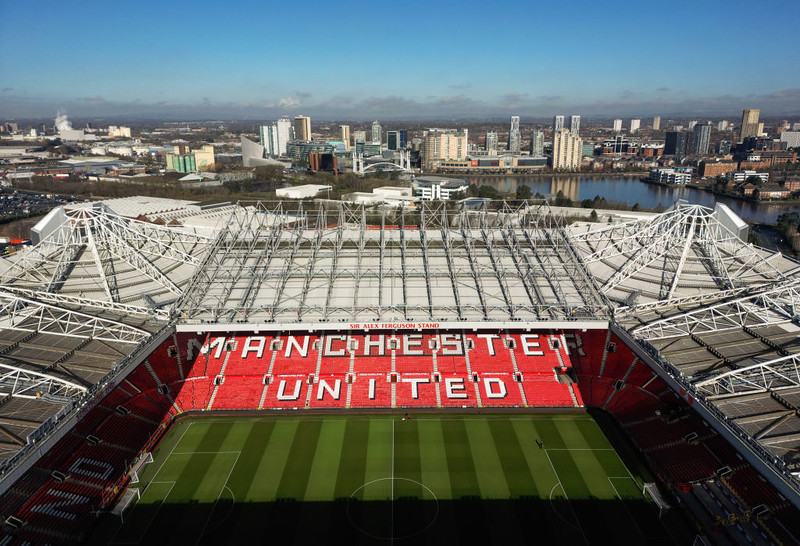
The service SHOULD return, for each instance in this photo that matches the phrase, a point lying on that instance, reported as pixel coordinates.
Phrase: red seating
(330, 391)
(249, 355)
(296, 354)
(547, 393)
(239, 392)
(489, 353)
(499, 390)
(416, 390)
(287, 391)
(371, 390)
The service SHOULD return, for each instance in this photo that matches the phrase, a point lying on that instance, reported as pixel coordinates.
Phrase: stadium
(333, 373)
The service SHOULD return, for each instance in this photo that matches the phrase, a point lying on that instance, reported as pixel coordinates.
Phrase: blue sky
(426, 59)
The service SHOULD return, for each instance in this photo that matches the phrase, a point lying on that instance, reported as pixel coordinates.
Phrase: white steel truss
(778, 304)
(780, 373)
(22, 383)
(291, 263)
(28, 315)
(668, 241)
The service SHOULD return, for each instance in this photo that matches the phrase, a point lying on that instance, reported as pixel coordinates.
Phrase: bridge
(404, 164)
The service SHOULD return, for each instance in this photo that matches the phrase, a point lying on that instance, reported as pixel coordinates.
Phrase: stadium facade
(177, 307)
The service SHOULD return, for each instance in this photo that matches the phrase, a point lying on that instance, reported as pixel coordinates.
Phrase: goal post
(651, 489)
(129, 497)
(145, 459)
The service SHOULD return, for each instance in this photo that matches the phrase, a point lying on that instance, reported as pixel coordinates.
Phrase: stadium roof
(78, 308)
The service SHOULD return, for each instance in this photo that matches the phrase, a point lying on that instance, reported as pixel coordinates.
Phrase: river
(631, 190)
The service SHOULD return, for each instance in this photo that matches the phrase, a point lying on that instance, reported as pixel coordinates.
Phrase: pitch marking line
(149, 523)
(170, 453)
(579, 526)
(224, 487)
(610, 480)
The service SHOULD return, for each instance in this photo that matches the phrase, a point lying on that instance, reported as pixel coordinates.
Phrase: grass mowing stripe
(538, 465)
(433, 459)
(357, 437)
(407, 463)
(295, 475)
(325, 465)
(594, 477)
(549, 434)
(378, 461)
(512, 459)
(463, 480)
(592, 433)
(612, 464)
(251, 449)
(267, 475)
(194, 466)
(489, 469)
(572, 435)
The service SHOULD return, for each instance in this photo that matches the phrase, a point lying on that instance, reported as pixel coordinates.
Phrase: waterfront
(631, 190)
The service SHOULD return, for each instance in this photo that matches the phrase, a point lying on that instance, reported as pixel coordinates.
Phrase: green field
(377, 479)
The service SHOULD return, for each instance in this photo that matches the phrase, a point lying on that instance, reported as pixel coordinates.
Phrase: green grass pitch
(379, 479)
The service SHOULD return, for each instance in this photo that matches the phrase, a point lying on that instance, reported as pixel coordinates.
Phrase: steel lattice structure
(679, 283)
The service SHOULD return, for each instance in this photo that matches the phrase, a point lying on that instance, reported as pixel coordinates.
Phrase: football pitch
(380, 479)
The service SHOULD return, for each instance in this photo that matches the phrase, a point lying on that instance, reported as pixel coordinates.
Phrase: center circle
(392, 508)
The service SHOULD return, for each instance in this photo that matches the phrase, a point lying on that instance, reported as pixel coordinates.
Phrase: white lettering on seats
(489, 341)
(451, 344)
(298, 384)
(380, 344)
(413, 345)
(415, 381)
(372, 389)
(333, 391)
(54, 508)
(219, 342)
(454, 387)
(528, 345)
(302, 349)
(258, 347)
(92, 468)
(329, 346)
(501, 391)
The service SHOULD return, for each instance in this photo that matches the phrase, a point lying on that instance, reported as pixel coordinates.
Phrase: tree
(593, 216)
(523, 192)
(488, 192)
(755, 180)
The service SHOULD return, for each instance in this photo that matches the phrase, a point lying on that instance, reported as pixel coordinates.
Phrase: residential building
(737, 177)
(791, 138)
(537, 144)
(558, 123)
(359, 136)
(617, 125)
(441, 145)
(635, 124)
(302, 128)
(676, 143)
(724, 147)
(692, 124)
(749, 127)
(345, 132)
(722, 125)
(664, 175)
(491, 143)
(575, 125)
(701, 139)
(567, 151)
(392, 140)
(514, 137)
(377, 133)
(656, 123)
(712, 169)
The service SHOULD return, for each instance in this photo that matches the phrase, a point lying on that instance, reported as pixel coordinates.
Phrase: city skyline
(215, 63)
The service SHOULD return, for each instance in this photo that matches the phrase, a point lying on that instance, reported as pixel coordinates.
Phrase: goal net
(651, 489)
(130, 496)
(145, 459)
